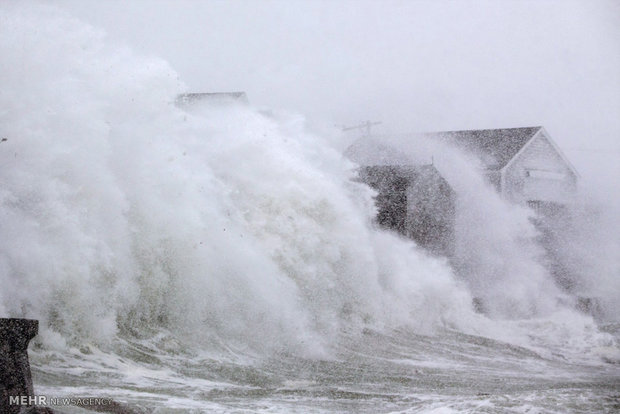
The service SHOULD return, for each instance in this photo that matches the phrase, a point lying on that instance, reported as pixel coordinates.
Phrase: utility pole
(364, 126)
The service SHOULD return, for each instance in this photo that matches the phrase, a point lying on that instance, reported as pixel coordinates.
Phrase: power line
(366, 126)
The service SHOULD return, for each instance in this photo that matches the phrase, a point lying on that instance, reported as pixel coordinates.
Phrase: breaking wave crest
(123, 215)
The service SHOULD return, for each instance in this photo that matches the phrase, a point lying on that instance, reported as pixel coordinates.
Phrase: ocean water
(222, 258)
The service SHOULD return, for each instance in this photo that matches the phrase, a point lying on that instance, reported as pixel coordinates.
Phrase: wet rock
(15, 377)
(38, 410)
(113, 407)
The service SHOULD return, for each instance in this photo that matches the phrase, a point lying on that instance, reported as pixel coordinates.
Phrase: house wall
(391, 198)
(415, 202)
(431, 213)
(539, 173)
(495, 179)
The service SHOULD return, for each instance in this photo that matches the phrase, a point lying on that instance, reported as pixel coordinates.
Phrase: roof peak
(494, 147)
(212, 97)
(536, 128)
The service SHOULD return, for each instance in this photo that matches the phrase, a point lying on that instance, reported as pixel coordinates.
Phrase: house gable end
(539, 172)
(493, 147)
(542, 136)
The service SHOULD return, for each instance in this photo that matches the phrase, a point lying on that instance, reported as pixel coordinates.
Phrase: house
(412, 199)
(523, 164)
(526, 167)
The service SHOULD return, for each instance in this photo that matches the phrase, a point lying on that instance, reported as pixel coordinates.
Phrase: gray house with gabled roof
(523, 164)
(527, 167)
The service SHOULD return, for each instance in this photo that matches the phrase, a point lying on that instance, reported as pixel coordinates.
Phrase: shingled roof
(371, 151)
(212, 97)
(494, 147)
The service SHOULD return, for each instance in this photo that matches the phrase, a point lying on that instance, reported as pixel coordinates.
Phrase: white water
(150, 240)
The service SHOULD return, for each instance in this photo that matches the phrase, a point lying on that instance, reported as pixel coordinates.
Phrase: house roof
(214, 97)
(370, 151)
(373, 174)
(494, 147)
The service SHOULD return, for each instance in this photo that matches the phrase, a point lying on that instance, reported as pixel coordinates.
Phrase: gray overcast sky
(415, 65)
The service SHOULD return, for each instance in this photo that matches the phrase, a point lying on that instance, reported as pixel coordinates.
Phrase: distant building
(217, 98)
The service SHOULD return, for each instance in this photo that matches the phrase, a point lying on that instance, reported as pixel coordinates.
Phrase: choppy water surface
(224, 259)
(399, 372)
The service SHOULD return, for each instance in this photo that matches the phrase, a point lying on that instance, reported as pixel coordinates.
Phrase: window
(548, 175)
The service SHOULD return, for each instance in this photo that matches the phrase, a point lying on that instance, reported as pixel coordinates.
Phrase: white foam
(122, 214)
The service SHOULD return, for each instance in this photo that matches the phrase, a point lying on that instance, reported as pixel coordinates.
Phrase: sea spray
(496, 248)
(123, 211)
(225, 259)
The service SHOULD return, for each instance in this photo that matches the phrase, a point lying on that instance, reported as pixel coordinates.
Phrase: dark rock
(112, 407)
(590, 306)
(37, 410)
(15, 377)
